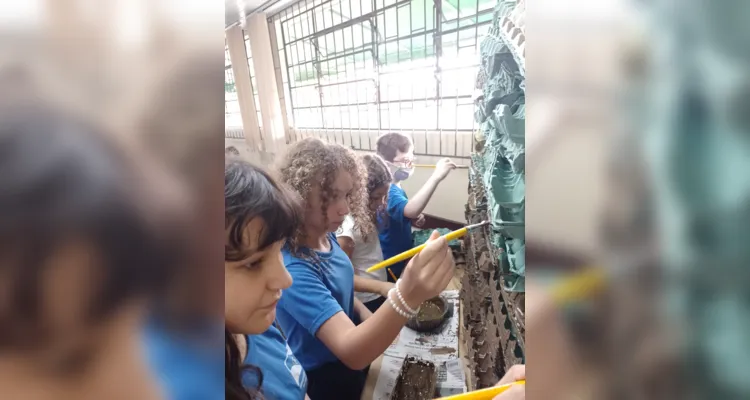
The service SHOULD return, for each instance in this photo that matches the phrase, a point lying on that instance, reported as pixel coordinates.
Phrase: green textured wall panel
(508, 186)
(509, 124)
(498, 160)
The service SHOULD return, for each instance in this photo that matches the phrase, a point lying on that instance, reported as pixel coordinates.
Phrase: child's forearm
(362, 310)
(367, 285)
(419, 201)
(358, 346)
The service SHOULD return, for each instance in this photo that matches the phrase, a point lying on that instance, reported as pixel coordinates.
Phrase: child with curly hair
(319, 312)
(364, 250)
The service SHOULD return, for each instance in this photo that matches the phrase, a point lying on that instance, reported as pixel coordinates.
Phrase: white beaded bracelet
(403, 302)
(396, 307)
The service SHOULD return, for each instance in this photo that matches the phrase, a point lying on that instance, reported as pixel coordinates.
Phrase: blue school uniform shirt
(188, 368)
(283, 376)
(319, 291)
(395, 236)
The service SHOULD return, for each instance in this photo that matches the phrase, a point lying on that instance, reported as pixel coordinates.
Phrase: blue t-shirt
(188, 368)
(320, 290)
(283, 376)
(395, 236)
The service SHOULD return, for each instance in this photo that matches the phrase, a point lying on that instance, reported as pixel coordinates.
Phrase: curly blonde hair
(313, 162)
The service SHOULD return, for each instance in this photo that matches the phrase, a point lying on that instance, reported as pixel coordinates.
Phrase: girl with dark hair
(259, 216)
(332, 333)
(364, 250)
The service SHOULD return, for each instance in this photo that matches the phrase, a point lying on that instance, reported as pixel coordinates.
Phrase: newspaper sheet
(440, 347)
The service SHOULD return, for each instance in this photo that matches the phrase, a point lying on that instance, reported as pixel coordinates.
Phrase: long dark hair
(233, 370)
(249, 193)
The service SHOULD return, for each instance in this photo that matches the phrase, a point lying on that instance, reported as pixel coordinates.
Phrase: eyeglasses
(406, 162)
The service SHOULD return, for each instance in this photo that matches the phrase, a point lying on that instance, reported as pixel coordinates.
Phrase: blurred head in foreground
(83, 246)
(184, 129)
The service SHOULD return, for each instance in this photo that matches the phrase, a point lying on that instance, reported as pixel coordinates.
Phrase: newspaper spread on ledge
(440, 347)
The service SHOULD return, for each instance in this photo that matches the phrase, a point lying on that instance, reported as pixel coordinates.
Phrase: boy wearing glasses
(395, 237)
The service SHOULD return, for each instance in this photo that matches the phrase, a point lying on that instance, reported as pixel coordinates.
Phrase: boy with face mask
(395, 235)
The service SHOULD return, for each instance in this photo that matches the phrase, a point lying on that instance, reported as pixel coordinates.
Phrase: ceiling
(232, 15)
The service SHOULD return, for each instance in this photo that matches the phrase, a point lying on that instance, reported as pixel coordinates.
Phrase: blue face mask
(400, 173)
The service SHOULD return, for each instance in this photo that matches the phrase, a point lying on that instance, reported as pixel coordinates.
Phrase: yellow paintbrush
(578, 286)
(433, 166)
(413, 252)
(484, 394)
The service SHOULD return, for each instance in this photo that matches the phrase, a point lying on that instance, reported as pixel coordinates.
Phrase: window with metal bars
(383, 65)
(232, 117)
(251, 67)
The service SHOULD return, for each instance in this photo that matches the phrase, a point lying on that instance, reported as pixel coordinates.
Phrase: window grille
(383, 65)
(232, 117)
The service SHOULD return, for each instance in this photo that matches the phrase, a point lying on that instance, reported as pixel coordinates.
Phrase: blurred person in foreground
(184, 128)
(549, 353)
(85, 243)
